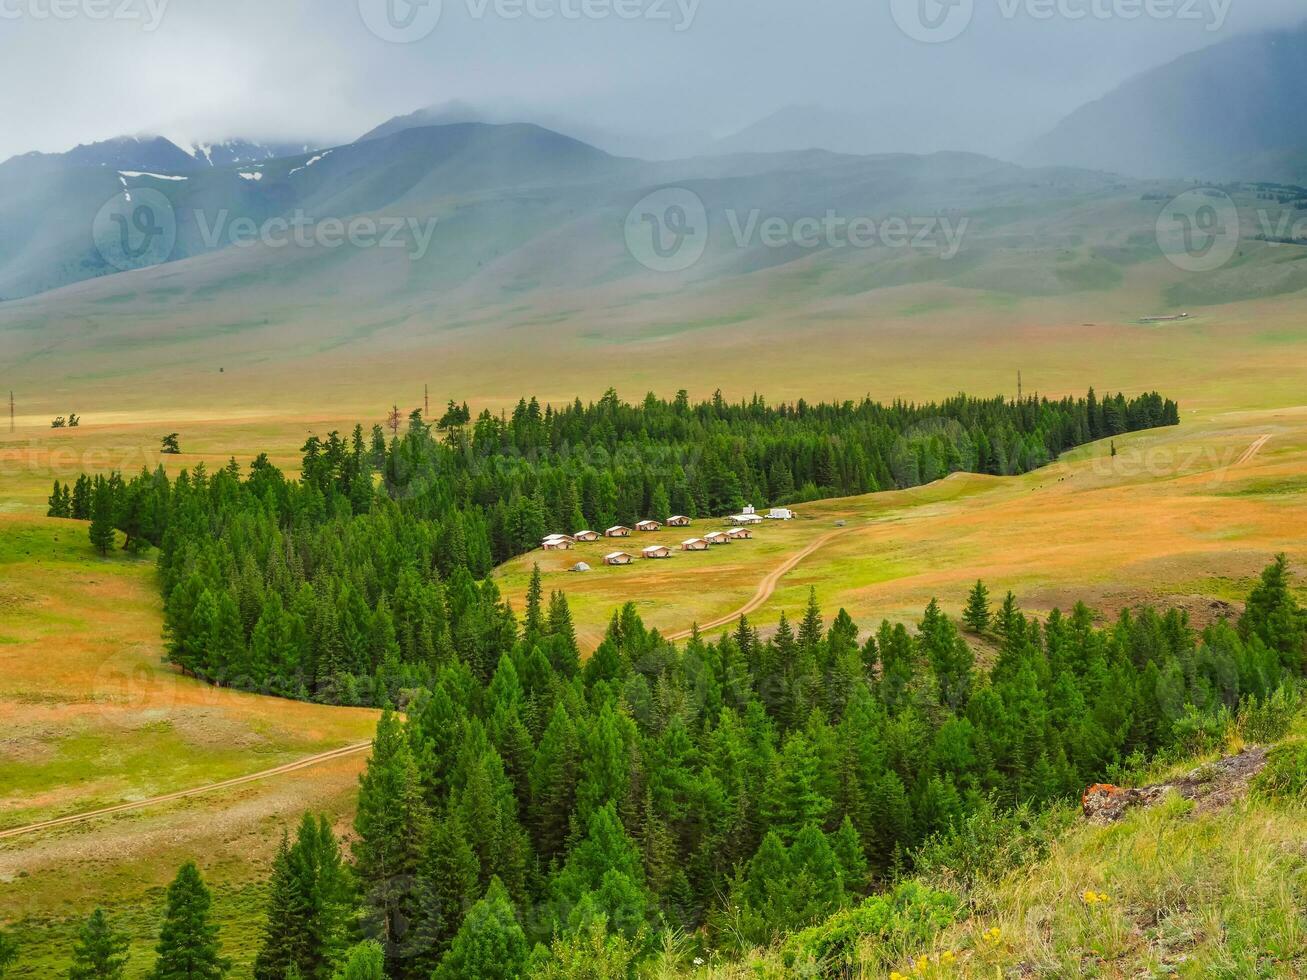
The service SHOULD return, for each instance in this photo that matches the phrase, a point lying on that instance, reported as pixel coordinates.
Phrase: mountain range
(1233, 111)
(1236, 110)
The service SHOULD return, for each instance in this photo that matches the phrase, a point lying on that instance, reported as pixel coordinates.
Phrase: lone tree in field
(188, 943)
(101, 951)
(169, 445)
(102, 533)
(976, 617)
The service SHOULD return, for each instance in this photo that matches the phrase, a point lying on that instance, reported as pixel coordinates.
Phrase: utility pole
(426, 402)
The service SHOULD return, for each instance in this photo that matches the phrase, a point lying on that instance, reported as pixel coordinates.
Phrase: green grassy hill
(1213, 886)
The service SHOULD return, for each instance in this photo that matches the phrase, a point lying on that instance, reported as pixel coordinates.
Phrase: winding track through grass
(1253, 450)
(765, 588)
(75, 818)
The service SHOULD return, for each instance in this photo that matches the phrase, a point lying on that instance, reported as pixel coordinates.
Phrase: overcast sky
(313, 69)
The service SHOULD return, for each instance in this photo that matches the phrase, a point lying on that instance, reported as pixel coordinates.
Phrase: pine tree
(307, 906)
(60, 505)
(1008, 617)
(280, 940)
(490, 945)
(100, 952)
(102, 515)
(534, 626)
(976, 617)
(449, 883)
(81, 502)
(553, 781)
(391, 830)
(188, 947)
(792, 800)
(852, 859)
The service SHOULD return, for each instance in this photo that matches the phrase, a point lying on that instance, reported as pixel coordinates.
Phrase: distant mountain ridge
(155, 154)
(1233, 111)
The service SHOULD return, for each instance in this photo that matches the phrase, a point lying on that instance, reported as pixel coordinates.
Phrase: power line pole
(426, 401)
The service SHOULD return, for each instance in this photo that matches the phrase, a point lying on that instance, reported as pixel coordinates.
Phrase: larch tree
(490, 945)
(976, 617)
(188, 947)
(100, 952)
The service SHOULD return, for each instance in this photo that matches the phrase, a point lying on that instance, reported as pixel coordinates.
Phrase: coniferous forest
(530, 812)
(554, 818)
(365, 575)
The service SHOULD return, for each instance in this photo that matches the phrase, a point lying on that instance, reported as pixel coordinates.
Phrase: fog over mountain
(674, 80)
(1235, 111)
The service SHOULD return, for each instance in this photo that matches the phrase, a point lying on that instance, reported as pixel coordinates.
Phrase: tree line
(362, 576)
(531, 811)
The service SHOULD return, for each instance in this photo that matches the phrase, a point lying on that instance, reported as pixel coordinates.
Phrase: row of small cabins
(740, 532)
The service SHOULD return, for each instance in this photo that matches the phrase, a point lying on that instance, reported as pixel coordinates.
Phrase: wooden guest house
(695, 544)
(558, 542)
(717, 537)
(618, 558)
(739, 534)
(679, 521)
(618, 532)
(657, 551)
(648, 526)
(586, 535)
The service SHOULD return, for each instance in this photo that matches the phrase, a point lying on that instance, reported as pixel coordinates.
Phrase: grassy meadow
(1189, 515)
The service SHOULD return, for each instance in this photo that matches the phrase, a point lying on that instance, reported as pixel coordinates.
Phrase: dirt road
(75, 818)
(1253, 450)
(766, 587)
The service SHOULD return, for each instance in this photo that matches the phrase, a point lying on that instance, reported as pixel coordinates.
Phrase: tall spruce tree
(102, 517)
(188, 947)
(976, 617)
(490, 945)
(391, 828)
(308, 907)
(100, 952)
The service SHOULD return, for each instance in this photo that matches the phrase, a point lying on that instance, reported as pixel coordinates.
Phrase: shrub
(1285, 775)
(907, 918)
(1265, 720)
(989, 843)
